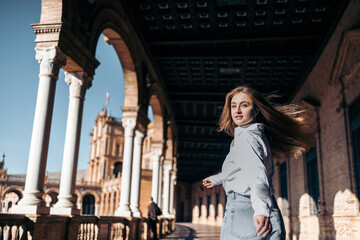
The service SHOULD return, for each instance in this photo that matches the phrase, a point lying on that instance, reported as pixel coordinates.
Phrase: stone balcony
(37, 227)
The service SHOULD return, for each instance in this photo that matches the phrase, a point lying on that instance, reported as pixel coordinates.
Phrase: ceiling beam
(197, 122)
(238, 40)
(218, 140)
(184, 151)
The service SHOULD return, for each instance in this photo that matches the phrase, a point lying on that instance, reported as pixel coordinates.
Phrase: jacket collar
(249, 127)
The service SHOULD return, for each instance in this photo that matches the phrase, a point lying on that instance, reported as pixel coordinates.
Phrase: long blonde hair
(287, 132)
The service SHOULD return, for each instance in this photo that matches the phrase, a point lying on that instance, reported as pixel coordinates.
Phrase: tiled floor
(189, 231)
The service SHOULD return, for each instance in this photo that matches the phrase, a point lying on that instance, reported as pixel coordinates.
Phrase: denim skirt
(238, 220)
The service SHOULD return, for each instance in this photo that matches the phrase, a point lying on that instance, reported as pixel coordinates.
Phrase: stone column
(155, 174)
(172, 192)
(221, 207)
(167, 170)
(50, 59)
(78, 83)
(129, 126)
(211, 218)
(96, 209)
(136, 174)
(160, 195)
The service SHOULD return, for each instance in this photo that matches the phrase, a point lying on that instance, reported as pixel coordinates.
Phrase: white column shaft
(124, 209)
(50, 59)
(167, 170)
(160, 195)
(155, 175)
(136, 174)
(172, 191)
(78, 83)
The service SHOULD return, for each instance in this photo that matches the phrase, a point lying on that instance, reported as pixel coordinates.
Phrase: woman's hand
(207, 183)
(262, 225)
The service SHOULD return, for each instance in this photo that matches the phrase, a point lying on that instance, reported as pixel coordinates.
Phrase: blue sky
(19, 83)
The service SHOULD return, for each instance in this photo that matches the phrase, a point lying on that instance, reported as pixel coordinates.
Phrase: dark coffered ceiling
(203, 49)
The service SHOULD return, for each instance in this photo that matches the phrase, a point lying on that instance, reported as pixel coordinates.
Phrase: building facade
(98, 188)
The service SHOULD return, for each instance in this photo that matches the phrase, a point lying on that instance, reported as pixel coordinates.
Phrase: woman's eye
(233, 106)
(244, 105)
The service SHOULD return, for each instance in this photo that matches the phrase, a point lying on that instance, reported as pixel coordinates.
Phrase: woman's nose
(239, 109)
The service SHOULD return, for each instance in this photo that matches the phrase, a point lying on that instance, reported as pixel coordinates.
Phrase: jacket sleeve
(254, 153)
(217, 179)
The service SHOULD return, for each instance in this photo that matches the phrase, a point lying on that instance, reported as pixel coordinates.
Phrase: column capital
(157, 153)
(167, 167)
(168, 161)
(50, 60)
(129, 126)
(78, 83)
(139, 134)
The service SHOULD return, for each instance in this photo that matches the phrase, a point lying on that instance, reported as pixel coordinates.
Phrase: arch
(78, 197)
(91, 192)
(17, 190)
(88, 205)
(114, 27)
(50, 190)
(50, 197)
(155, 101)
(10, 198)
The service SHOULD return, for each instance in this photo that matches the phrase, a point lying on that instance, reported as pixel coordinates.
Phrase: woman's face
(243, 110)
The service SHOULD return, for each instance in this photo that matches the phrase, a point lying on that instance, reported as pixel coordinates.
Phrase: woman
(260, 131)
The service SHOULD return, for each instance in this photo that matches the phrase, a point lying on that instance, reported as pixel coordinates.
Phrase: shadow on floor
(189, 231)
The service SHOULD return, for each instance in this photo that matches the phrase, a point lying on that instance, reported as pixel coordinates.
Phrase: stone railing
(16, 227)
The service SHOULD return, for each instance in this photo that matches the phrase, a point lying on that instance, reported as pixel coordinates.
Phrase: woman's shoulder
(256, 141)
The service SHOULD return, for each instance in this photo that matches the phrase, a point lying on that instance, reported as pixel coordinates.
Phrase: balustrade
(15, 227)
(21, 227)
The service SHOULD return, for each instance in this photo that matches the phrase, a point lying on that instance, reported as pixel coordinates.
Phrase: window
(106, 146)
(283, 181)
(104, 170)
(312, 179)
(117, 169)
(117, 150)
(354, 117)
(88, 205)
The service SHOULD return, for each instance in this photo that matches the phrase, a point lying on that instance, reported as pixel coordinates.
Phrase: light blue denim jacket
(248, 168)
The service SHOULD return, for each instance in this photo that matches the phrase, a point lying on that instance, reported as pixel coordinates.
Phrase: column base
(64, 211)
(30, 209)
(122, 213)
(136, 214)
(167, 215)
